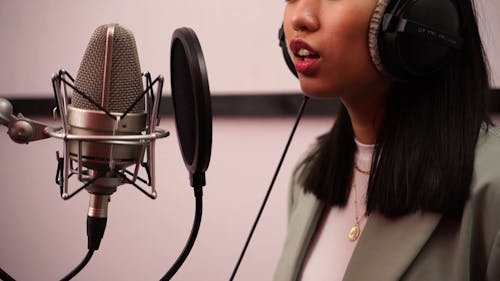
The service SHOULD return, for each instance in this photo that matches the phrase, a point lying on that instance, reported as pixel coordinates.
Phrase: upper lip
(300, 48)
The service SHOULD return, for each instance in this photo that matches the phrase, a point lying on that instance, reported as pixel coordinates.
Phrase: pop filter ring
(191, 103)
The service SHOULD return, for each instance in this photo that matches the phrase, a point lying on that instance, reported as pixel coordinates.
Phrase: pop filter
(191, 102)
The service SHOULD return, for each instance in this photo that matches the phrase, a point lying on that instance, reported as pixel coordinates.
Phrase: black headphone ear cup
(284, 50)
(389, 52)
(406, 55)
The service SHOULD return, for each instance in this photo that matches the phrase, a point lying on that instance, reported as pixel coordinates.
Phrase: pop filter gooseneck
(193, 120)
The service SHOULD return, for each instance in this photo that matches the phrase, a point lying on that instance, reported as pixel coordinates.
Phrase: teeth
(304, 53)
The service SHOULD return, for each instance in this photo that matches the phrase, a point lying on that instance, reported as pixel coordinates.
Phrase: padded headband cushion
(373, 31)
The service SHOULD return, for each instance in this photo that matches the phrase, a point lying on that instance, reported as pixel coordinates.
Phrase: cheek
(351, 74)
(287, 22)
(347, 43)
(347, 58)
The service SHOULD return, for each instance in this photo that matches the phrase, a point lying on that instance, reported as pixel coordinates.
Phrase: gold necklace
(355, 230)
(359, 169)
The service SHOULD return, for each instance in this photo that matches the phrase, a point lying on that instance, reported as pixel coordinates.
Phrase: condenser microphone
(107, 84)
(109, 126)
(111, 80)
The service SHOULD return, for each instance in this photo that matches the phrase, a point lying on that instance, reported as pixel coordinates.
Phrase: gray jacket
(417, 247)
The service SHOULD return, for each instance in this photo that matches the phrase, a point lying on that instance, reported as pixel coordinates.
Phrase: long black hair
(424, 153)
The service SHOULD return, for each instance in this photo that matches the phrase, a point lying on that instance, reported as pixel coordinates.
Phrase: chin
(318, 90)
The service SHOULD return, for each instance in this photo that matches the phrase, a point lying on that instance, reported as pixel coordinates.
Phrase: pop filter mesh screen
(183, 98)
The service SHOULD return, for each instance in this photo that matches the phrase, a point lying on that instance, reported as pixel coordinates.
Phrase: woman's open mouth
(305, 56)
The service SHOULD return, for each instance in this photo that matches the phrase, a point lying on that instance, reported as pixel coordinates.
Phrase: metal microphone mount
(97, 181)
(21, 129)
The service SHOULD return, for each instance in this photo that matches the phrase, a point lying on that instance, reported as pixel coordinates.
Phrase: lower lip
(305, 66)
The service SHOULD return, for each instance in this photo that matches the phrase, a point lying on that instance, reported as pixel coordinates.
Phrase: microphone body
(110, 75)
(109, 102)
(97, 155)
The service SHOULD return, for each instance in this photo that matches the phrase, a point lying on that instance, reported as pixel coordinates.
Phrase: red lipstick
(305, 56)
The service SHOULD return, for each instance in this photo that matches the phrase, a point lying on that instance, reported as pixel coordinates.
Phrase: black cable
(5, 277)
(79, 268)
(95, 232)
(299, 116)
(198, 193)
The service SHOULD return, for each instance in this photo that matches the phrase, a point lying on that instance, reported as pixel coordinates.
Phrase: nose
(304, 16)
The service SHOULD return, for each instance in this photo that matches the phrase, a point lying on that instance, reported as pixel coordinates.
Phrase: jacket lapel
(387, 247)
(302, 225)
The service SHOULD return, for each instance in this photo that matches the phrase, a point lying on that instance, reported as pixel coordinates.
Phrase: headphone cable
(5, 276)
(250, 235)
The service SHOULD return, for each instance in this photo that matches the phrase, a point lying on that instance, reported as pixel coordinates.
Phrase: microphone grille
(125, 84)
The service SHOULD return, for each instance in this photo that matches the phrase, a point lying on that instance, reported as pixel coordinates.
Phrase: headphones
(408, 38)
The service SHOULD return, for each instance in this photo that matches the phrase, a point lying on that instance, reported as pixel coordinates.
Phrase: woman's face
(328, 41)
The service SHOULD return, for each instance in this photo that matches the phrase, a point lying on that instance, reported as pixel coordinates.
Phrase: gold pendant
(354, 233)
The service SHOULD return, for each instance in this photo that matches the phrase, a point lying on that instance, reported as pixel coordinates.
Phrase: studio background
(43, 237)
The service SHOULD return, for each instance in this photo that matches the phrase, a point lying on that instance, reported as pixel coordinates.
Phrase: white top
(331, 249)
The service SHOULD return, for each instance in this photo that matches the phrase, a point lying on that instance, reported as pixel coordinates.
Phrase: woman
(406, 185)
